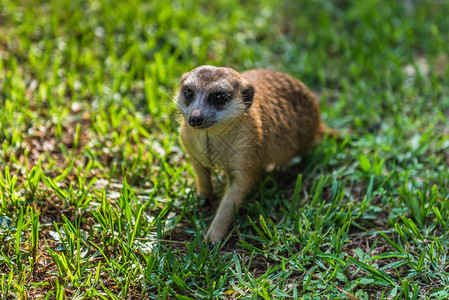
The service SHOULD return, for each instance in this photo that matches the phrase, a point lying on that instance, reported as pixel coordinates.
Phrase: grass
(97, 198)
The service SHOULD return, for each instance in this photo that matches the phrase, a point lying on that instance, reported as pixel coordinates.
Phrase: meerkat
(240, 124)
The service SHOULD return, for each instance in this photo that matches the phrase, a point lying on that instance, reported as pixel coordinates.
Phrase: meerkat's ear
(248, 95)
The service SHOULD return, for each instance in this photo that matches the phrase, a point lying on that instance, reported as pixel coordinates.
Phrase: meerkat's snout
(196, 118)
(248, 121)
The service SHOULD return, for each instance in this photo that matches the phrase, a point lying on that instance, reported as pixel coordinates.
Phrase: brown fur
(282, 122)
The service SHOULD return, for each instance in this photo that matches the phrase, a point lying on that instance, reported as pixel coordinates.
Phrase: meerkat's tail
(324, 130)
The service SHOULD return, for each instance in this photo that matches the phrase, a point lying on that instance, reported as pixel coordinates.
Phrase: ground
(97, 197)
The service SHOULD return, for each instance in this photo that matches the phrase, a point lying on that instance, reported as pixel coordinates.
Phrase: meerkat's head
(210, 96)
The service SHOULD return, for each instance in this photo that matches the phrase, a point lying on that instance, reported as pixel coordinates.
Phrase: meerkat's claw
(214, 236)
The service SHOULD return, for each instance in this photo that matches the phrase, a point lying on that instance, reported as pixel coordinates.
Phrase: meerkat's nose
(195, 121)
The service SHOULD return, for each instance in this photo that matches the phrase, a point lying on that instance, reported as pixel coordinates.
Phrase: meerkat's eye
(188, 93)
(218, 98)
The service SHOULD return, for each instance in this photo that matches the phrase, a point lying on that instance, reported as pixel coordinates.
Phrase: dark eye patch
(219, 99)
(188, 94)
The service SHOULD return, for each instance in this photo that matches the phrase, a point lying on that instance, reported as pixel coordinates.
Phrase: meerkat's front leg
(203, 180)
(238, 186)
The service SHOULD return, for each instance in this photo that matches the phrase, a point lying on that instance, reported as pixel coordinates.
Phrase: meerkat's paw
(215, 235)
(205, 195)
